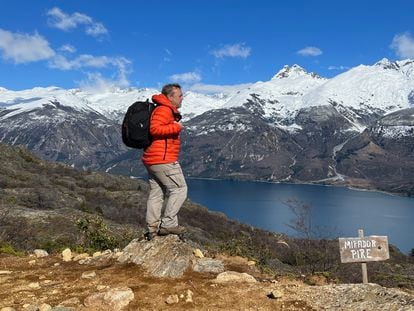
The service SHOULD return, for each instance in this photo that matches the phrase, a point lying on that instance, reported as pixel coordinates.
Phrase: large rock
(114, 299)
(234, 277)
(161, 257)
(208, 265)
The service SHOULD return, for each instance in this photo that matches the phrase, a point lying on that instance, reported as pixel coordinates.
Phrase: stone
(67, 255)
(47, 282)
(70, 302)
(99, 259)
(34, 285)
(251, 263)
(56, 264)
(172, 299)
(198, 253)
(112, 299)
(275, 294)
(208, 265)
(88, 275)
(118, 254)
(102, 287)
(3, 272)
(7, 309)
(163, 256)
(39, 253)
(232, 276)
(32, 262)
(81, 256)
(189, 296)
(96, 254)
(45, 307)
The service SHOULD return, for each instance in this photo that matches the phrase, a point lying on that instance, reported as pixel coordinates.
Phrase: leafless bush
(313, 251)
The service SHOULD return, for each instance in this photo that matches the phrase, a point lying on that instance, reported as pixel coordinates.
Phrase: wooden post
(364, 264)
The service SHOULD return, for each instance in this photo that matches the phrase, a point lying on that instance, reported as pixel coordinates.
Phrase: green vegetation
(245, 246)
(10, 250)
(27, 155)
(52, 206)
(96, 234)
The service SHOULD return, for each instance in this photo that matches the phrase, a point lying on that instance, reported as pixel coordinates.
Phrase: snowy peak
(293, 71)
(197, 103)
(38, 98)
(385, 63)
(405, 66)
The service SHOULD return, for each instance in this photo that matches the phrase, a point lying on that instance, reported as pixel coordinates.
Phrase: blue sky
(205, 45)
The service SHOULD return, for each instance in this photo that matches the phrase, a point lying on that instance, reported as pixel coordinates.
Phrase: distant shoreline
(350, 187)
(397, 194)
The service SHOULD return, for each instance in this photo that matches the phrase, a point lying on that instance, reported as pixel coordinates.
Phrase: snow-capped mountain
(282, 96)
(58, 125)
(297, 126)
(114, 103)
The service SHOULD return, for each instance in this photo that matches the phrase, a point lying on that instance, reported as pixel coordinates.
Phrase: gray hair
(168, 89)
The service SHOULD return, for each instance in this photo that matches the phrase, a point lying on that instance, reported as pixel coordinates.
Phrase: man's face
(176, 97)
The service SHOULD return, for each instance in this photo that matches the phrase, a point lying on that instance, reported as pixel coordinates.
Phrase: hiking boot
(172, 230)
(148, 236)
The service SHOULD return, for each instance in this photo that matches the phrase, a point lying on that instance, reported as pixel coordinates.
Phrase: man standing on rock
(166, 178)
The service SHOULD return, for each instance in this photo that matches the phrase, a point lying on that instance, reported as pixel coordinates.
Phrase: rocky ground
(112, 281)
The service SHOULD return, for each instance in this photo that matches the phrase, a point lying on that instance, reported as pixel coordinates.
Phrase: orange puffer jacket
(165, 133)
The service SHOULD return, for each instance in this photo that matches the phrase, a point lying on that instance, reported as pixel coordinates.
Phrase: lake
(341, 211)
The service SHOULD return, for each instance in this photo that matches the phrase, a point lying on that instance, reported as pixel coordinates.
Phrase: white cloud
(310, 51)
(86, 60)
(232, 50)
(338, 67)
(67, 48)
(61, 20)
(121, 64)
(403, 45)
(187, 77)
(96, 83)
(214, 88)
(24, 48)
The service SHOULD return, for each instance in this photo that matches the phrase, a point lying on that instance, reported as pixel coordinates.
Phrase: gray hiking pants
(167, 187)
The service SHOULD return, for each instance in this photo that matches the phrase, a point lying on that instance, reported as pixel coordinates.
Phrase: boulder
(163, 256)
(232, 276)
(39, 253)
(112, 300)
(208, 265)
(67, 254)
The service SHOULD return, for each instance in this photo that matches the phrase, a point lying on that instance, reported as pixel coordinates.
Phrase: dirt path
(52, 281)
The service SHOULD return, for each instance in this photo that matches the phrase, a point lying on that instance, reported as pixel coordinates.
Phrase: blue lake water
(341, 211)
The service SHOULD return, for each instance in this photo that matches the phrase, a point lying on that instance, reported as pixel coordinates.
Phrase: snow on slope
(385, 86)
(26, 101)
(195, 103)
(282, 94)
(114, 103)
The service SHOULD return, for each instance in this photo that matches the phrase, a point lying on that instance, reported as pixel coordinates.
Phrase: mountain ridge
(296, 127)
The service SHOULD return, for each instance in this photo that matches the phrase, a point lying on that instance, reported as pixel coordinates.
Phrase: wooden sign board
(364, 249)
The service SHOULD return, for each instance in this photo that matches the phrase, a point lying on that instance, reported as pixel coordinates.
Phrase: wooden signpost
(364, 249)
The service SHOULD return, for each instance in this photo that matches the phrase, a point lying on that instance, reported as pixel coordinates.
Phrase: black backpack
(136, 125)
